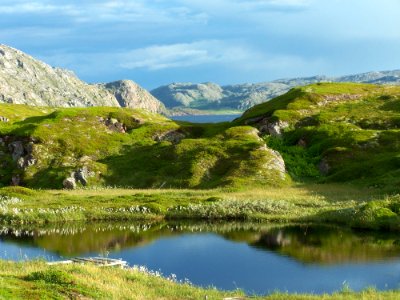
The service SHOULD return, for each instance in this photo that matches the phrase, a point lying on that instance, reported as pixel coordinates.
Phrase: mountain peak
(26, 80)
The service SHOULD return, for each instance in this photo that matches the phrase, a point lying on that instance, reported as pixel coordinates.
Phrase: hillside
(324, 132)
(25, 80)
(335, 132)
(66, 147)
(211, 96)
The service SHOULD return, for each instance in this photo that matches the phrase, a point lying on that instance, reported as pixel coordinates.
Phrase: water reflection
(257, 258)
(306, 244)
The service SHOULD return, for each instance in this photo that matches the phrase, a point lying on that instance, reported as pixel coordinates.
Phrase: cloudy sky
(155, 42)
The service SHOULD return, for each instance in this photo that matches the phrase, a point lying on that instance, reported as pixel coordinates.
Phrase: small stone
(17, 150)
(302, 143)
(324, 166)
(69, 183)
(15, 180)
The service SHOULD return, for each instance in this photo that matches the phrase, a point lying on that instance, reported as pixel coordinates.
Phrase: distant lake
(258, 258)
(206, 118)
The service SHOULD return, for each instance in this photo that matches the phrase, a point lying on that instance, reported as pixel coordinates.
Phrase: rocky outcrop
(173, 136)
(25, 80)
(129, 94)
(22, 153)
(274, 162)
(113, 124)
(274, 128)
(79, 176)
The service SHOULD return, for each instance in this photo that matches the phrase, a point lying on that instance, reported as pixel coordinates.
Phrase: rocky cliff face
(129, 94)
(243, 96)
(189, 94)
(25, 80)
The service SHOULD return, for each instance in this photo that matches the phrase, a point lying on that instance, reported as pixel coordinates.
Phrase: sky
(157, 42)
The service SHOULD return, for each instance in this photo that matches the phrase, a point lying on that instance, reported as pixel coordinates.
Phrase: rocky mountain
(210, 96)
(25, 80)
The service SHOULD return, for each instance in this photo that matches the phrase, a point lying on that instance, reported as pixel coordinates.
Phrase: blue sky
(156, 42)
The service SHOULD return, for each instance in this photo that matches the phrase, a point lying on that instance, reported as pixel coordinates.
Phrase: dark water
(256, 258)
(206, 118)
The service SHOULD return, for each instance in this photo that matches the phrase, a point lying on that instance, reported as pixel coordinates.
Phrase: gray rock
(274, 162)
(15, 180)
(173, 136)
(21, 163)
(17, 150)
(324, 167)
(113, 125)
(69, 183)
(274, 128)
(81, 175)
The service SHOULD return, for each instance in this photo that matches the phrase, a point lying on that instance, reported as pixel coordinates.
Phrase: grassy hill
(41, 147)
(335, 132)
(325, 132)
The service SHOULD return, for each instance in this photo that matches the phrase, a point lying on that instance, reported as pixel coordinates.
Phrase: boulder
(15, 180)
(274, 128)
(81, 175)
(324, 166)
(173, 136)
(114, 125)
(17, 150)
(274, 161)
(69, 183)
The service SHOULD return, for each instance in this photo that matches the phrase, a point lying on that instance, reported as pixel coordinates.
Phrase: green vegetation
(340, 144)
(337, 132)
(154, 151)
(36, 280)
(327, 203)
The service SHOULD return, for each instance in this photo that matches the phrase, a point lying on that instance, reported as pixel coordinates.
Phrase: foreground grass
(36, 280)
(343, 204)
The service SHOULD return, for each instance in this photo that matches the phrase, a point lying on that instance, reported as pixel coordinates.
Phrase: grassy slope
(355, 128)
(344, 125)
(67, 139)
(36, 280)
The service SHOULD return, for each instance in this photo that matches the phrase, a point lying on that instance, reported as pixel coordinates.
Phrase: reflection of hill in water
(308, 244)
(328, 245)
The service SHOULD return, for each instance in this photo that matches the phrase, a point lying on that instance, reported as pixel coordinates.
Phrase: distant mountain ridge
(26, 80)
(211, 96)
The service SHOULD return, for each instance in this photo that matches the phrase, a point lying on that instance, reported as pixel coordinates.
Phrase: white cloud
(228, 54)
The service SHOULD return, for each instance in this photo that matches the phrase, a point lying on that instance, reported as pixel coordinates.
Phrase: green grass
(343, 125)
(66, 139)
(347, 205)
(36, 280)
(354, 128)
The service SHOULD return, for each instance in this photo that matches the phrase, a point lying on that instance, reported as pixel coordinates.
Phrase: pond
(206, 118)
(257, 258)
